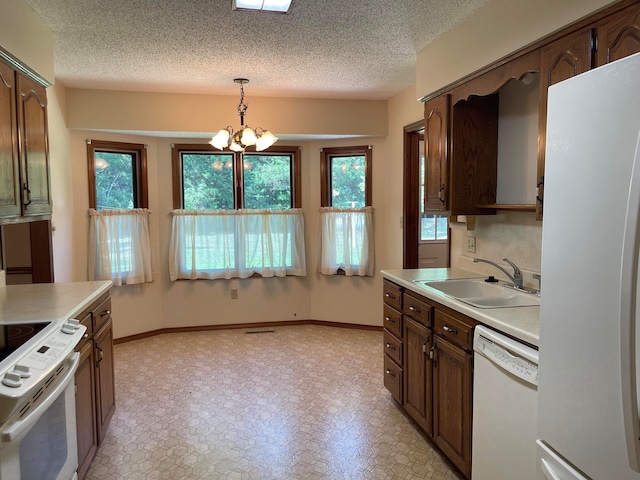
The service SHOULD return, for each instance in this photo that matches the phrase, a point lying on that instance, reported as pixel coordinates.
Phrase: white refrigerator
(588, 421)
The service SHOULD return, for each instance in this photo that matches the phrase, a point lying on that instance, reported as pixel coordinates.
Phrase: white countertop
(48, 301)
(522, 323)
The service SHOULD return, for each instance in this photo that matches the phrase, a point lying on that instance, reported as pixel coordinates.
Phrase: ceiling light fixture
(246, 136)
(278, 6)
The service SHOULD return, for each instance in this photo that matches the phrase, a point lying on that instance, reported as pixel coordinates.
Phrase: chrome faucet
(516, 278)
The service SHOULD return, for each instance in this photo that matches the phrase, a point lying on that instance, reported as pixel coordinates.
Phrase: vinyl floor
(296, 402)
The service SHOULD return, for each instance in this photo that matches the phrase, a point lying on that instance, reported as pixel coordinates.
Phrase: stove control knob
(12, 380)
(73, 322)
(22, 370)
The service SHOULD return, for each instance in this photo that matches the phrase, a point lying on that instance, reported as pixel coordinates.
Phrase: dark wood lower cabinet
(452, 403)
(95, 382)
(418, 374)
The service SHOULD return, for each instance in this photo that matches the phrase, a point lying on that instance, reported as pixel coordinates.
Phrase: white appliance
(37, 400)
(588, 424)
(505, 401)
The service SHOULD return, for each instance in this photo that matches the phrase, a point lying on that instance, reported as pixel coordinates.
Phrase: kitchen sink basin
(481, 294)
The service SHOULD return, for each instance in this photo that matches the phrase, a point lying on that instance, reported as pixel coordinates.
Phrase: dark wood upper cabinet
(436, 134)
(618, 35)
(9, 157)
(565, 58)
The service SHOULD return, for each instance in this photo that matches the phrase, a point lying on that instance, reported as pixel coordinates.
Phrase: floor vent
(259, 331)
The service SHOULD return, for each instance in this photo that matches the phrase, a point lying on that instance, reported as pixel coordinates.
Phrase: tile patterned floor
(303, 402)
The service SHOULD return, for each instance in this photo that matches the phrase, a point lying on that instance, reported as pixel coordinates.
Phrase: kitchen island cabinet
(393, 340)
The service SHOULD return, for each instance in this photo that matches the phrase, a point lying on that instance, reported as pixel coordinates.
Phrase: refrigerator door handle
(628, 320)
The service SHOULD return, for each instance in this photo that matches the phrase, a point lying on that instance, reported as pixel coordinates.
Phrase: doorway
(426, 234)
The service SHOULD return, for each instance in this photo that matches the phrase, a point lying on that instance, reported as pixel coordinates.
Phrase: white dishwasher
(505, 408)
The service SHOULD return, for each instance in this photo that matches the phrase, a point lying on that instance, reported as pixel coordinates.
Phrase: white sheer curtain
(346, 241)
(119, 247)
(236, 243)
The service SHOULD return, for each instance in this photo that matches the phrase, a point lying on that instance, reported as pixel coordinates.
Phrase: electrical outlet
(471, 244)
(234, 294)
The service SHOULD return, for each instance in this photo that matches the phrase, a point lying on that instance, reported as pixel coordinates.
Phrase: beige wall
(26, 37)
(474, 43)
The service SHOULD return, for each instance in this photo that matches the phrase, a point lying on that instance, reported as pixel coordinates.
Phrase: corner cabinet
(436, 135)
(24, 147)
(95, 392)
(436, 371)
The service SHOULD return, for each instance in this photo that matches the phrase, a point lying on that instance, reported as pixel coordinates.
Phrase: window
(119, 243)
(117, 175)
(346, 216)
(236, 215)
(346, 177)
(207, 179)
(432, 227)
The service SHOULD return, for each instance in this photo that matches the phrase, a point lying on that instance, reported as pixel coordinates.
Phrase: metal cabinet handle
(440, 194)
(388, 295)
(389, 372)
(391, 347)
(449, 329)
(389, 319)
(105, 313)
(86, 335)
(27, 196)
(100, 355)
(414, 309)
(432, 354)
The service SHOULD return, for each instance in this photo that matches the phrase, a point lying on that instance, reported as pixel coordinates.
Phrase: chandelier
(245, 136)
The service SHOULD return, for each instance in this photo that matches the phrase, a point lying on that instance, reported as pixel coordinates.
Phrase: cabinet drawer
(101, 314)
(392, 295)
(85, 319)
(393, 321)
(457, 330)
(393, 347)
(393, 379)
(417, 308)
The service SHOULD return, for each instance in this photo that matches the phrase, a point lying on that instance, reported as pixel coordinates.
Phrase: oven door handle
(16, 429)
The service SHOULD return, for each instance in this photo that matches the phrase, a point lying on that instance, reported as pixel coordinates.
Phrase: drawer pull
(389, 319)
(389, 372)
(105, 313)
(388, 295)
(391, 347)
(414, 309)
(449, 329)
(86, 335)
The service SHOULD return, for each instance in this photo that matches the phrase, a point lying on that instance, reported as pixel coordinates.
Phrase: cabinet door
(86, 410)
(105, 385)
(436, 134)
(9, 159)
(560, 60)
(34, 147)
(418, 374)
(452, 404)
(619, 35)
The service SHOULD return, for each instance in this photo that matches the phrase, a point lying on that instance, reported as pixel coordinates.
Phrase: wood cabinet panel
(392, 295)
(105, 380)
(415, 307)
(392, 321)
(436, 135)
(457, 329)
(393, 379)
(85, 410)
(452, 387)
(9, 157)
(102, 313)
(393, 347)
(560, 60)
(418, 374)
(618, 35)
(34, 146)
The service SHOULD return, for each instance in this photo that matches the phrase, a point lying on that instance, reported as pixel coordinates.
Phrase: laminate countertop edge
(522, 323)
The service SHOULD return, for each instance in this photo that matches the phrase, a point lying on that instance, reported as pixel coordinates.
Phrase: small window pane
(114, 180)
(442, 226)
(348, 182)
(207, 181)
(267, 181)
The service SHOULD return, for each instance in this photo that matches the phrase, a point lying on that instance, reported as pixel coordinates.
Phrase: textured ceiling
(364, 49)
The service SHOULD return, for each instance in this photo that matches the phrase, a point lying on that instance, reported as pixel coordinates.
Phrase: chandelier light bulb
(265, 140)
(248, 137)
(221, 139)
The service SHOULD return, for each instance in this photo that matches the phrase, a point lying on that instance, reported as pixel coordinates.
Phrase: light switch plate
(471, 244)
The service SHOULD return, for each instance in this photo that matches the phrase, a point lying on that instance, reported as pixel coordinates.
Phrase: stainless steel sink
(481, 294)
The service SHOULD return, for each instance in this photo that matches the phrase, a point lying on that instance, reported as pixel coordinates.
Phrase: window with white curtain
(211, 244)
(119, 241)
(346, 241)
(119, 246)
(346, 216)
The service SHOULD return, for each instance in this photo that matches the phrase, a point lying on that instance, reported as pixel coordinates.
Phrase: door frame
(410, 193)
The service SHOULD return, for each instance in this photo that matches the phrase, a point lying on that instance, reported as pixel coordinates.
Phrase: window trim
(141, 188)
(325, 171)
(238, 173)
